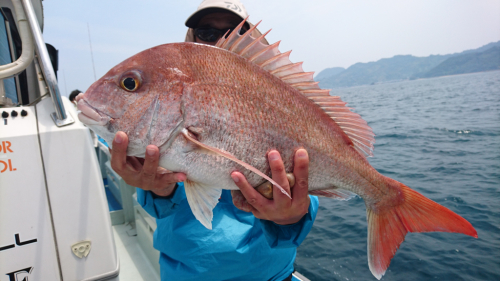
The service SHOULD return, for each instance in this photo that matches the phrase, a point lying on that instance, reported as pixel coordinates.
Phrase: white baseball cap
(210, 6)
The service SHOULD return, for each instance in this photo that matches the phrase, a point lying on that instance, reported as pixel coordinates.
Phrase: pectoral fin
(202, 200)
(231, 157)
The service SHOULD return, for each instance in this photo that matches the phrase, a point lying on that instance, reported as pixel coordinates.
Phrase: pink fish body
(214, 110)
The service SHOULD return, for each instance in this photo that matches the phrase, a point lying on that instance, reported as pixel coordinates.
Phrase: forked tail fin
(387, 228)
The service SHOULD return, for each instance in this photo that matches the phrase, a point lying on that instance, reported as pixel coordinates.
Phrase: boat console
(54, 218)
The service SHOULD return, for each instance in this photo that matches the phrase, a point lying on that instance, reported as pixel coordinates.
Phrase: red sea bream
(215, 110)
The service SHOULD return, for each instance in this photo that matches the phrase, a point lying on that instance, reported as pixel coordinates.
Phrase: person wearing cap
(213, 18)
(257, 239)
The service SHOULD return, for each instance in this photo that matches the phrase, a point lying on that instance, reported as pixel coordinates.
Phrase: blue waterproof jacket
(239, 247)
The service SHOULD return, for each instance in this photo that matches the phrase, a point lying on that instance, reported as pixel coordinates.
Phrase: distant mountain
(468, 63)
(482, 49)
(403, 67)
(329, 72)
(393, 69)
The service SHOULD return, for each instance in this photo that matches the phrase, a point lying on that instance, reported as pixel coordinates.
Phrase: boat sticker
(20, 275)
(6, 164)
(18, 242)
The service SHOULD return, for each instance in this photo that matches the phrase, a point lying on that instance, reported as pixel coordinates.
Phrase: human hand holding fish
(144, 174)
(281, 209)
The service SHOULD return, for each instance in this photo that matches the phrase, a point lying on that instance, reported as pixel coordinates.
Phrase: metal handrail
(46, 65)
(18, 66)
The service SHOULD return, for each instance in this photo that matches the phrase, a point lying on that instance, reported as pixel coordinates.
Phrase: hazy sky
(321, 33)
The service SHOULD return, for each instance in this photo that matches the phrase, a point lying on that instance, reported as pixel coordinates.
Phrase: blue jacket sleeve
(161, 207)
(288, 236)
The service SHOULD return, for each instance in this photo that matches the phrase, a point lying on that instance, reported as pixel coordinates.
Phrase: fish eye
(129, 84)
(130, 81)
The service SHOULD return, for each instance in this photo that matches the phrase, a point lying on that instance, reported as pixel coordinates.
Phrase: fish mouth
(90, 115)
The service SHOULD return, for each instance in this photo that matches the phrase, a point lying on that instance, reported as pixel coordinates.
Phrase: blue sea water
(441, 137)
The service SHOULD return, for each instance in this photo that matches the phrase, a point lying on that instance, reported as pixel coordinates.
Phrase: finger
(163, 180)
(164, 184)
(164, 191)
(119, 151)
(148, 172)
(251, 195)
(240, 202)
(279, 176)
(301, 173)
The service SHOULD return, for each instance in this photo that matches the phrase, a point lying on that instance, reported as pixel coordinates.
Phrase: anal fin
(202, 199)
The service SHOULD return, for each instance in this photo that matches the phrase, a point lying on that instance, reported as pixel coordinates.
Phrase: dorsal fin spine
(308, 83)
(259, 53)
(315, 93)
(275, 58)
(271, 59)
(246, 35)
(363, 127)
(244, 52)
(286, 67)
(299, 77)
(361, 137)
(367, 150)
(305, 85)
(233, 35)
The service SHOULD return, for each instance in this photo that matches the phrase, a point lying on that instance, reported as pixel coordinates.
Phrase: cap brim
(193, 20)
